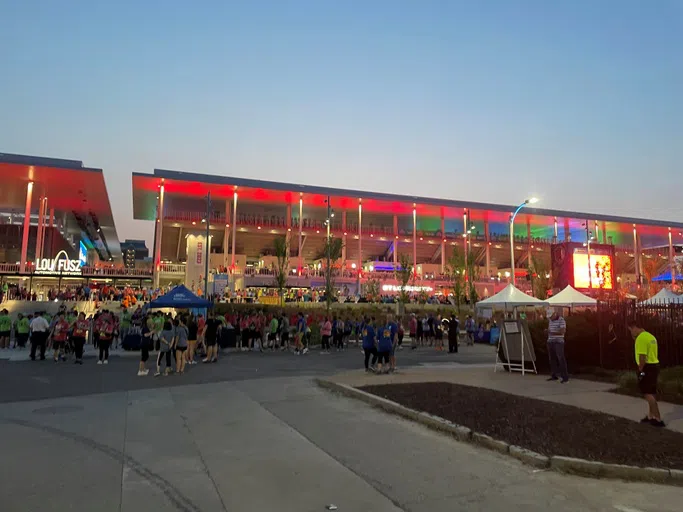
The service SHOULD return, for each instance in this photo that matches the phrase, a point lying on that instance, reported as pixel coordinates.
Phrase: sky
(578, 102)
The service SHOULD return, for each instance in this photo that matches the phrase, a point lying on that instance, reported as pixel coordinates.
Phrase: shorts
(4, 334)
(284, 337)
(210, 342)
(182, 349)
(58, 345)
(383, 357)
(648, 384)
(271, 336)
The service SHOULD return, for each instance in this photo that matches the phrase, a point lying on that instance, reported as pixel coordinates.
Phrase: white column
(443, 242)
(343, 255)
(360, 236)
(487, 235)
(395, 251)
(52, 225)
(672, 259)
(604, 232)
(160, 228)
(234, 230)
(226, 234)
(555, 229)
(528, 242)
(414, 239)
(567, 234)
(636, 254)
(464, 239)
(27, 227)
(301, 233)
(39, 230)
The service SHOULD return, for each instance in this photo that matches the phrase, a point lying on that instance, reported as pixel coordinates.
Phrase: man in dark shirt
(213, 327)
(453, 328)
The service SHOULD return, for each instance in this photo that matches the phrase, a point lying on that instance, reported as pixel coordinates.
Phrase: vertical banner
(194, 269)
(220, 283)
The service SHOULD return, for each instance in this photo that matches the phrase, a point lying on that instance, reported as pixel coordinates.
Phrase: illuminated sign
(394, 288)
(58, 265)
(600, 271)
(82, 254)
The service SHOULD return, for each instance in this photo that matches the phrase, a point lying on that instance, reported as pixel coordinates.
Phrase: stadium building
(245, 216)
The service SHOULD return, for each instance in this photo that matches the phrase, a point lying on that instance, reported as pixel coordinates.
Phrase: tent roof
(571, 297)
(180, 297)
(664, 295)
(511, 296)
(666, 276)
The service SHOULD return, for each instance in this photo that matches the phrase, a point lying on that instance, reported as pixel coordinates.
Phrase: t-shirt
(555, 328)
(39, 324)
(60, 330)
(646, 344)
(212, 329)
(5, 323)
(273, 326)
(166, 339)
(301, 325)
(125, 319)
(181, 333)
(453, 326)
(80, 328)
(106, 330)
(368, 337)
(386, 338)
(327, 329)
(22, 326)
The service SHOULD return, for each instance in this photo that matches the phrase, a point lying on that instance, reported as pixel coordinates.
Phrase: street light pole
(531, 200)
(207, 253)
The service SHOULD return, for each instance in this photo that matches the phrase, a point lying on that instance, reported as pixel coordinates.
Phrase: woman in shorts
(191, 340)
(181, 342)
(146, 343)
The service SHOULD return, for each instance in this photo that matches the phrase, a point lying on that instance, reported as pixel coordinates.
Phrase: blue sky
(579, 102)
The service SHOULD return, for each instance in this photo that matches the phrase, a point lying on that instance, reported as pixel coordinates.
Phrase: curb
(557, 463)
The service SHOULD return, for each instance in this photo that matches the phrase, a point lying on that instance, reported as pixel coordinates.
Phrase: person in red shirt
(106, 334)
(80, 330)
(60, 331)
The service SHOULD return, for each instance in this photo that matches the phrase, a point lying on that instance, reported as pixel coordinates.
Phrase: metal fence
(616, 346)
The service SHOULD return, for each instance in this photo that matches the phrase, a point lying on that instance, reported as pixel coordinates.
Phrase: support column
(234, 230)
(343, 254)
(443, 242)
(597, 233)
(567, 234)
(636, 254)
(360, 236)
(604, 232)
(27, 227)
(157, 240)
(464, 239)
(528, 242)
(39, 230)
(226, 234)
(487, 234)
(555, 230)
(301, 227)
(395, 251)
(672, 259)
(52, 234)
(414, 239)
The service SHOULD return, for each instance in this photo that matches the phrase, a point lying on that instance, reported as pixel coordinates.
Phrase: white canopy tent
(663, 296)
(510, 297)
(571, 297)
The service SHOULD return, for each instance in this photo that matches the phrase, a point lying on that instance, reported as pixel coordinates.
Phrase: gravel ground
(545, 427)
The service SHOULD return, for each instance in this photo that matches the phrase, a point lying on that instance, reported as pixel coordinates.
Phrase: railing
(115, 272)
(172, 268)
(10, 267)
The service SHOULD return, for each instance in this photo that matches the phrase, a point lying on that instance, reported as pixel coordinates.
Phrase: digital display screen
(82, 254)
(600, 276)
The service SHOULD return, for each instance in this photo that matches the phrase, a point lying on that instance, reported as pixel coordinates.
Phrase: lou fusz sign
(60, 264)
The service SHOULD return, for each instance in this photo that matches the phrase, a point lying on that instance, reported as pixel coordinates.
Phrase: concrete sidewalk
(580, 393)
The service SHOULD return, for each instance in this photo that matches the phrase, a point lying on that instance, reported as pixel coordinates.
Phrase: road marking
(42, 380)
(623, 508)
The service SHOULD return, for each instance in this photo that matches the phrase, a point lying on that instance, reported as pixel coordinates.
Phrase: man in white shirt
(40, 329)
(557, 328)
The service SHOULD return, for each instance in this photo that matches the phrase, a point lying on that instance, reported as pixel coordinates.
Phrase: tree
(372, 290)
(404, 273)
(473, 272)
(455, 271)
(541, 283)
(331, 252)
(281, 268)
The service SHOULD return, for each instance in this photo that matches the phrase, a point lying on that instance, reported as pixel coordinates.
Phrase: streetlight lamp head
(532, 200)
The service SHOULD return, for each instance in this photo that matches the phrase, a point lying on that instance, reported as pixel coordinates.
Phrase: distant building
(134, 251)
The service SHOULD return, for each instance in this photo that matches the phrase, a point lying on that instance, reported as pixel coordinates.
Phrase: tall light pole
(589, 239)
(531, 200)
(207, 252)
(328, 221)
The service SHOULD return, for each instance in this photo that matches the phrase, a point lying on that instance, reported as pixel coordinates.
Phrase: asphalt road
(32, 380)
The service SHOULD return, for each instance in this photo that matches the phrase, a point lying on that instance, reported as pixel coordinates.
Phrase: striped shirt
(555, 330)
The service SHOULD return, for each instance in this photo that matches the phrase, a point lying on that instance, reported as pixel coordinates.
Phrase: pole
(672, 259)
(328, 292)
(27, 227)
(207, 252)
(588, 247)
(512, 238)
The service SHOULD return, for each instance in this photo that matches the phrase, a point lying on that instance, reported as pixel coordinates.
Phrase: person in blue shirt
(369, 349)
(385, 344)
(393, 327)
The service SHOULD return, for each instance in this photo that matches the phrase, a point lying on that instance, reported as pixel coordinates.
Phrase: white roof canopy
(664, 296)
(510, 297)
(571, 297)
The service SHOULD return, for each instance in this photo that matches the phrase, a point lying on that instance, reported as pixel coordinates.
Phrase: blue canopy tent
(180, 297)
(666, 276)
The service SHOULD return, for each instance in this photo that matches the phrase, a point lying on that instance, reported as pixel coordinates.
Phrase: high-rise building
(134, 250)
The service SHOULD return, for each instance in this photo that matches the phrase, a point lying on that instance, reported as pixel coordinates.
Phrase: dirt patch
(544, 427)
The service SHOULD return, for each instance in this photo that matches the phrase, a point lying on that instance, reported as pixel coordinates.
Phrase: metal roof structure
(72, 189)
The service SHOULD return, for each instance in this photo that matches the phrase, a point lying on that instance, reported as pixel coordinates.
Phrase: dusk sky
(578, 102)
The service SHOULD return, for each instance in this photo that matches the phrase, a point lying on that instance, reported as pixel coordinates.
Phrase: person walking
(557, 327)
(40, 329)
(5, 328)
(181, 340)
(647, 359)
(213, 327)
(453, 331)
(58, 334)
(192, 333)
(146, 343)
(369, 348)
(106, 334)
(78, 336)
(21, 329)
(384, 346)
(470, 328)
(326, 333)
(412, 327)
(166, 341)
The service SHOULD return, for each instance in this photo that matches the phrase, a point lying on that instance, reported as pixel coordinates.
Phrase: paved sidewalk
(580, 393)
